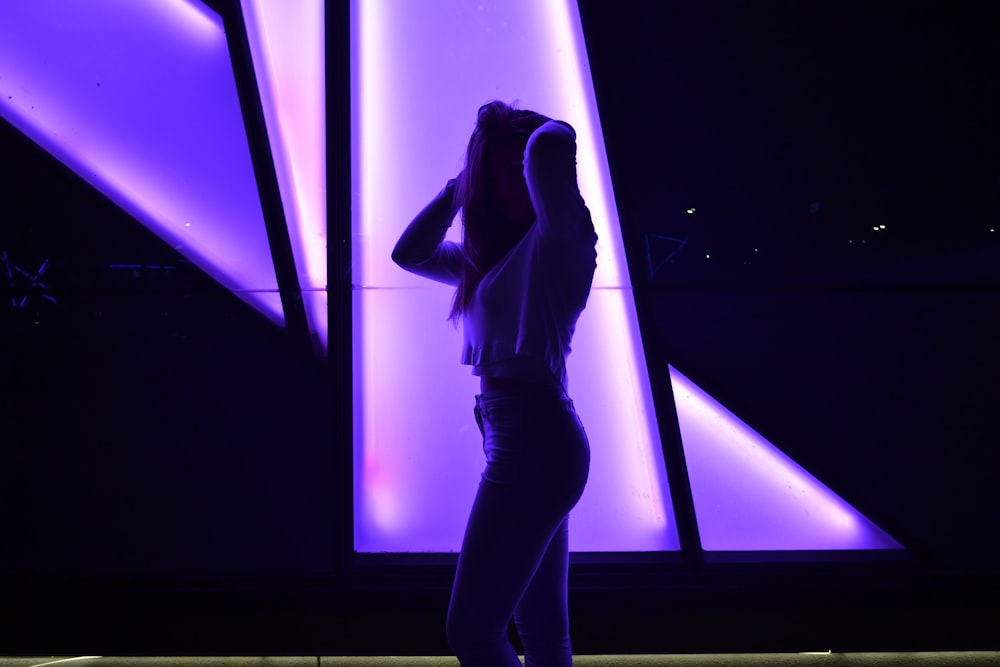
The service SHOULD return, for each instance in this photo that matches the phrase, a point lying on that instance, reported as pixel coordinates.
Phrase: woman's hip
(533, 438)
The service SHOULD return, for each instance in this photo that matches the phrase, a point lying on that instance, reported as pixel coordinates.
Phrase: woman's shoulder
(554, 136)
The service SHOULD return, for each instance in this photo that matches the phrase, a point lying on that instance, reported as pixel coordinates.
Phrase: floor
(929, 659)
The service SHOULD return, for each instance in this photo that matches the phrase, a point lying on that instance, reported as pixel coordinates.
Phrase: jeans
(515, 553)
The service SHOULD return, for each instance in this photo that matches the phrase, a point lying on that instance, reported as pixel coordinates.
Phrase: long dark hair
(497, 123)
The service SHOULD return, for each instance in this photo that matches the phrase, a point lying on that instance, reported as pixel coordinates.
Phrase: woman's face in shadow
(507, 189)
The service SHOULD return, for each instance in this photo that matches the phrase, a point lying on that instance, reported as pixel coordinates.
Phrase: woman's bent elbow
(400, 258)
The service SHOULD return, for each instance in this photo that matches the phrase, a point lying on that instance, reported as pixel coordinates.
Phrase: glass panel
(316, 303)
(286, 40)
(420, 72)
(139, 100)
(749, 496)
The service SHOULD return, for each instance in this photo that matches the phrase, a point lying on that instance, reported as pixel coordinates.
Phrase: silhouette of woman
(523, 274)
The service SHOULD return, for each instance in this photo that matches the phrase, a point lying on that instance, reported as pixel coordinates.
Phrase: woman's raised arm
(550, 171)
(422, 249)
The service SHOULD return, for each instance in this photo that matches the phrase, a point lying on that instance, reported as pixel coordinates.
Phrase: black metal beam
(337, 17)
(267, 180)
(659, 379)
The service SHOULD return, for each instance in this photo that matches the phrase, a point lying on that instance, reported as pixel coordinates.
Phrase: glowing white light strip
(286, 41)
(420, 72)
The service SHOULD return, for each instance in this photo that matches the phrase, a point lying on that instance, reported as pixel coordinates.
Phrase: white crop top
(523, 314)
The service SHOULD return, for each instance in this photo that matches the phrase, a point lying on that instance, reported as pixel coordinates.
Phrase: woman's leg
(505, 539)
(542, 616)
(515, 551)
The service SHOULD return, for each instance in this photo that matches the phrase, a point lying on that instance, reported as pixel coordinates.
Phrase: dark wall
(797, 127)
(151, 423)
(793, 130)
(887, 396)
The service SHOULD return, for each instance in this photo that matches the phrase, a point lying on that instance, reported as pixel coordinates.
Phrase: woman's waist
(517, 372)
(490, 384)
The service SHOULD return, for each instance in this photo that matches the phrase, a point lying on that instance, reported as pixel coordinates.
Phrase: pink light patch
(749, 496)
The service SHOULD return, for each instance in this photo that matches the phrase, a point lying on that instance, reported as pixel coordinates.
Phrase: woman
(523, 274)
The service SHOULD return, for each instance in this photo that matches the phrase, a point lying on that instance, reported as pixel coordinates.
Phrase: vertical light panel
(139, 99)
(287, 45)
(420, 72)
(749, 496)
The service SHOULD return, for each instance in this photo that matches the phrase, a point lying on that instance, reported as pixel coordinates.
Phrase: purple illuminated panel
(138, 98)
(420, 72)
(749, 496)
(286, 42)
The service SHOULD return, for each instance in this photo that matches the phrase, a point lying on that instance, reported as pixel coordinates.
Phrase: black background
(156, 431)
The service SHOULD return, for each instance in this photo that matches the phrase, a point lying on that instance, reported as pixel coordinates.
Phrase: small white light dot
(708, 256)
(881, 226)
(756, 250)
(875, 228)
(691, 211)
(187, 224)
